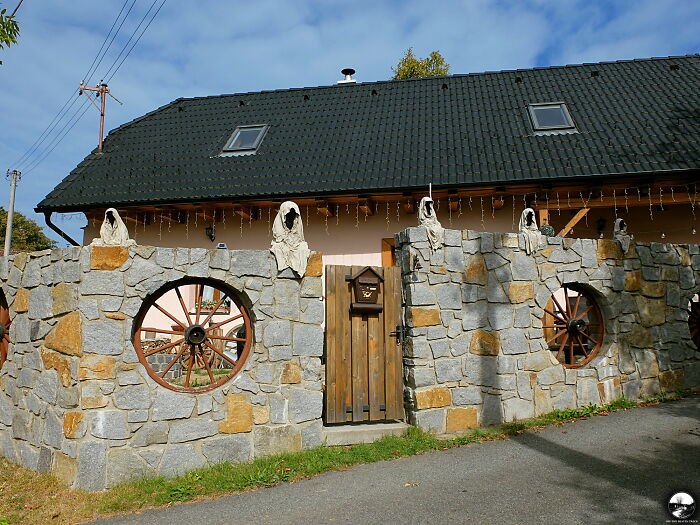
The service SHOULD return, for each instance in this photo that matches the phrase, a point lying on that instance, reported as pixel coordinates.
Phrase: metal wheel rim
(576, 326)
(186, 347)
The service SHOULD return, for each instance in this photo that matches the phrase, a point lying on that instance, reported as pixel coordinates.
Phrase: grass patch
(29, 497)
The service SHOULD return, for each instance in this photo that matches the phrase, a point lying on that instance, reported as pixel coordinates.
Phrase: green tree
(9, 30)
(411, 67)
(26, 234)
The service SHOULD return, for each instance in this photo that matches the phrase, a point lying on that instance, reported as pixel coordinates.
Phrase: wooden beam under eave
(324, 208)
(247, 212)
(574, 221)
(366, 207)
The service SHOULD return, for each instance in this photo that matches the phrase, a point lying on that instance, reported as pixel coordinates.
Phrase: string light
(269, 227)
(663, 235)
(337, 214)
(481, 205)
(241, 226)
(692, 202)
(661, 198)
(626, 208)
(307, 215)
(169, 222)
(459, 204)
(195, 219)
(615, 203)
(325, 220)
(651, 212)
(250, 217)
(513, 213)
(187, 225)
(493, 208)
(437, 205)
(449, 209)
(145, 216)
(558, 207)
(639, 195)
(160, 226)
(470, 204)
(357, 215)
(387, 215)
(673, 197)
(398, 212)
(223, 217)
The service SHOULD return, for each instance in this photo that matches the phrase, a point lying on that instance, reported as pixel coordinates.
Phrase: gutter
(64, 235)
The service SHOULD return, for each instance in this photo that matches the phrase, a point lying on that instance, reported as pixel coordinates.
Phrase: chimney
(348, 72)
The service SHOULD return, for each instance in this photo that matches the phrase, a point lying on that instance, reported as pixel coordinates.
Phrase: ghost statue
(620, 235)
(113, 231)
(288, 245)
(528, 227)
(427, 218)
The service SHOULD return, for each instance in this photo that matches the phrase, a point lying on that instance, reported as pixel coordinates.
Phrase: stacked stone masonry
(75, 400)
(476, 352)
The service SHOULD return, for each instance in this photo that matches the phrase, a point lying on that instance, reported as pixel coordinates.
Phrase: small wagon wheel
(199, 309)
(694, 319)
(5, 323)
(573, 326)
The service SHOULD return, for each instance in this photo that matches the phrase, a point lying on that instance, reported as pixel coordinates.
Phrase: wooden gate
(364, 358)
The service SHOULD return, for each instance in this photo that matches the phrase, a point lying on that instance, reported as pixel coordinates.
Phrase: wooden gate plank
(344, 368)
(331, 346)
(394, 352)
(360, 378)
(376, 361)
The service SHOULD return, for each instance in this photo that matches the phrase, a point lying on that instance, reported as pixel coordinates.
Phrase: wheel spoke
(164, 347)
(566, 317)
(582, 315)
(190, 364)
(208, 367)
(567, 302)
(221, 354)
(160, 331)
(571, 351)
(221, 301)
(563, 344)
(555, 315)
(163, 310)
(590, 338)
(561, 332)
(226, 321)
(184, 308)
(576, 305)
(199, 293)
(583, 347)
(240, 339)
(170, 365)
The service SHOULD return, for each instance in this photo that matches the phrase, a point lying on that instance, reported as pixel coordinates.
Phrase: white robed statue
(620, 235)
(113, 231)
(288, 244)
(528, 227)
(428, 218)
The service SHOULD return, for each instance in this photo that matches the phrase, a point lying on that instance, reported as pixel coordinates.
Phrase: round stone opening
(573, 325)
(193, 335)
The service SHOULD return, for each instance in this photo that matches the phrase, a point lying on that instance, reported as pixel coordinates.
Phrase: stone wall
(75, 400)
(476, 353)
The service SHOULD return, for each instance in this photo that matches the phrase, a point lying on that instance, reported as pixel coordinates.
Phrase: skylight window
(551, 117)
(245, 139)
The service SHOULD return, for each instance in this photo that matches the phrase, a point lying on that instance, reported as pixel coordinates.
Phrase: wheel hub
(576, 325)
(195, 334)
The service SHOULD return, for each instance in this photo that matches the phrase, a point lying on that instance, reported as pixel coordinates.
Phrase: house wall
(476, 352)
(350, 241)
(75, 400)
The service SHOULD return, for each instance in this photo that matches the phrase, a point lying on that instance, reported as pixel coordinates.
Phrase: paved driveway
(619, 468)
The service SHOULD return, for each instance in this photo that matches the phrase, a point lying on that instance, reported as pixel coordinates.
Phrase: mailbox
(366, 285)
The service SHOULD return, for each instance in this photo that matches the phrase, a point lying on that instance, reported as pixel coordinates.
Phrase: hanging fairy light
(169, 222)
(626, 208)
(241, 229)
(160, 226)
(673, 197)
(187, 225)
(387, 216)
(558, 207)
(663, 235)
(661, 198)
(651, 211)
(493, 207)
(513, 213)
(459, 205)
(449, 209)
(223, 217)
(470, 204)
(615, 203)
(307, 215)
(357, 215)
(481, 205)
(398, 212)
(692, 202)
(337, 214)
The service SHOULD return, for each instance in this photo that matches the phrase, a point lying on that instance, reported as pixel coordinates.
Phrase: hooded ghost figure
(528, 227)
(620, 235)
(288, 245)
(427, 218)
(113, 231)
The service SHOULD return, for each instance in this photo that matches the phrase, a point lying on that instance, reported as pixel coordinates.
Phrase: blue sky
(210, 47)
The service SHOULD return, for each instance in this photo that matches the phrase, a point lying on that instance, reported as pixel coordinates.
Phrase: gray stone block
(420, 295)
(252, 262)
(92, 465)
(515, 409)
(523, 267)
(494, 291)
(500, 316)
(305, 405)
(454, 259)
(491, 410)
(231, 448)
(276, 440)
(103, 337)
(172, 405)
(431, 420)
(192, 429)
(125, 465)
(180, 458)
(479, 370)
(439, 348)
(418, 377)
(587, 393)
(279, 409)
(277, 333)
(448, 370)
(286, 299)
(141, 270)
(47, 385)
(448, 296)
(150, 433)
(308, 340)
(513, 341)
(283, 353)
(466, 396)
(102, 282)
(110, 424)
(132, 397)
(40, 303)
(551, 375)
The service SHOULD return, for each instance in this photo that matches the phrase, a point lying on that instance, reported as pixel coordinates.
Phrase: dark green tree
(411, 67)
(26, 234)
(9, 30)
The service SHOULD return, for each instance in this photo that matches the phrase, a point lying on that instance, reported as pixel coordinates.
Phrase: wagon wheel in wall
(5, 323)
(191, 314)
(573, 325)
(694, 319)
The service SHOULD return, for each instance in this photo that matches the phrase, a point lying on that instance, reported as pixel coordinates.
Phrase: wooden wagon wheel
(694, 319)
(573, 326)
(194, 341)
(5, 323)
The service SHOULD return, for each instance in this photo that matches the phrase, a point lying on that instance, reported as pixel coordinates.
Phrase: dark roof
(637, 116)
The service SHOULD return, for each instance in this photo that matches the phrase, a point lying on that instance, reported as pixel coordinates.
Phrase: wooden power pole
(103, 91)
(14, 176)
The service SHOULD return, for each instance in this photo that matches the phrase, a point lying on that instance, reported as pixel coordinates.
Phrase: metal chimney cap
(348, 72)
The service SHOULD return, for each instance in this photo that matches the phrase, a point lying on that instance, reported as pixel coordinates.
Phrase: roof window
(245, 139)
(551, 116)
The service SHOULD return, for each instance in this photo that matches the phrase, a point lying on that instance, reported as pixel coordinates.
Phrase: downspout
(47, 218)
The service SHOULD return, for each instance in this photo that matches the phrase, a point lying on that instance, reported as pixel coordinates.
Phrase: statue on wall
(113, 231)
(528, 227)
(428, 218)
(620, 235)
(288, 244)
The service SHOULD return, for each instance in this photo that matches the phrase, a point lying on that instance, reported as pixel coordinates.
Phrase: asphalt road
(619, 468)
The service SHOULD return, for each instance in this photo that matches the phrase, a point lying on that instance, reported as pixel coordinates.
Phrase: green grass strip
(227, 478)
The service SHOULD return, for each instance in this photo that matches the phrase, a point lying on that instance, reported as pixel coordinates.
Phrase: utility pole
(14, 176)
(102, 90)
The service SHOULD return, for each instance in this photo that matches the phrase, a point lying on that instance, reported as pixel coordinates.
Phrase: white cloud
(211, 47)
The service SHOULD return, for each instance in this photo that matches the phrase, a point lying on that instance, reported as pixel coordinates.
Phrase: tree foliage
(411, 67)
(26, 234)
(9, 30)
